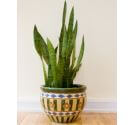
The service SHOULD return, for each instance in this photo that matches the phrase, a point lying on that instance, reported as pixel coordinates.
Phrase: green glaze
(76, 89)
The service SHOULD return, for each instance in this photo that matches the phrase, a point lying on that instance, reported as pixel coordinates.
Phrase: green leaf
(71, 21)
(52, 57)
(75, 70)
(80, 54)
(74, 48)
(70, 36)
(64, 13)
(60, 72)
(56, 50)
(50, 76)
(40, 45)
(61, 64)
(62, 29)
(45, 74)
(64, 45)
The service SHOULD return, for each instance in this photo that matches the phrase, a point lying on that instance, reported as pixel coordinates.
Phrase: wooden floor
(85, 119)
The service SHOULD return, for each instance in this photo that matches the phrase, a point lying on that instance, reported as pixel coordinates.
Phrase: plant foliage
(62, 66)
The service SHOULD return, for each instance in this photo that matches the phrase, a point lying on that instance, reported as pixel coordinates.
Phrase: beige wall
(97, 21)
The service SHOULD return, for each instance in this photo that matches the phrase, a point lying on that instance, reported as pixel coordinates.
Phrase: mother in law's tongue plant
(61, 98)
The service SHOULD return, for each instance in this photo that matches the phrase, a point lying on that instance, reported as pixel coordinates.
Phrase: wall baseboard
(92, 105)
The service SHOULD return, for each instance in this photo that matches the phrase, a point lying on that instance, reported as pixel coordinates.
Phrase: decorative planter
(63, 105)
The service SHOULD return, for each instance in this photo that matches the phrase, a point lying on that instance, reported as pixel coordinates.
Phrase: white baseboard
(92, 105)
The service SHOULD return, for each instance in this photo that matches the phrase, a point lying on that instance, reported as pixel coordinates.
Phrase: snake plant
(61, 61)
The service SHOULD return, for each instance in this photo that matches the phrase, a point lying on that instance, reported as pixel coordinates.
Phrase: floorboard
(26, 118)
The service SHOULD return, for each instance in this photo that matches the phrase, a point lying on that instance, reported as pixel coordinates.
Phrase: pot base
(63, 119)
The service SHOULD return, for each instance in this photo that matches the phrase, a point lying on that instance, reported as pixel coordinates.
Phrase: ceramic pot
(63, 105)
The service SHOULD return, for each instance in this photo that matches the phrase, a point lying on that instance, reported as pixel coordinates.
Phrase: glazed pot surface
(63, 105)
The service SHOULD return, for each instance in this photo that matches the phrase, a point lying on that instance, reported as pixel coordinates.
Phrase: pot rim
(78, 88)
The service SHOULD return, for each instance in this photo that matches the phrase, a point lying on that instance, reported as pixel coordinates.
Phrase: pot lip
(77, 89)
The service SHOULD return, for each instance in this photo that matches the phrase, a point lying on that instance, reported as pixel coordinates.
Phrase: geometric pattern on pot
(63, 119)
(63, 104)
(62, 113)
(63, 109)
(54, 95)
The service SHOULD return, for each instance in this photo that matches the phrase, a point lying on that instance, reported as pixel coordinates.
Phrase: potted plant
(61, 99)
